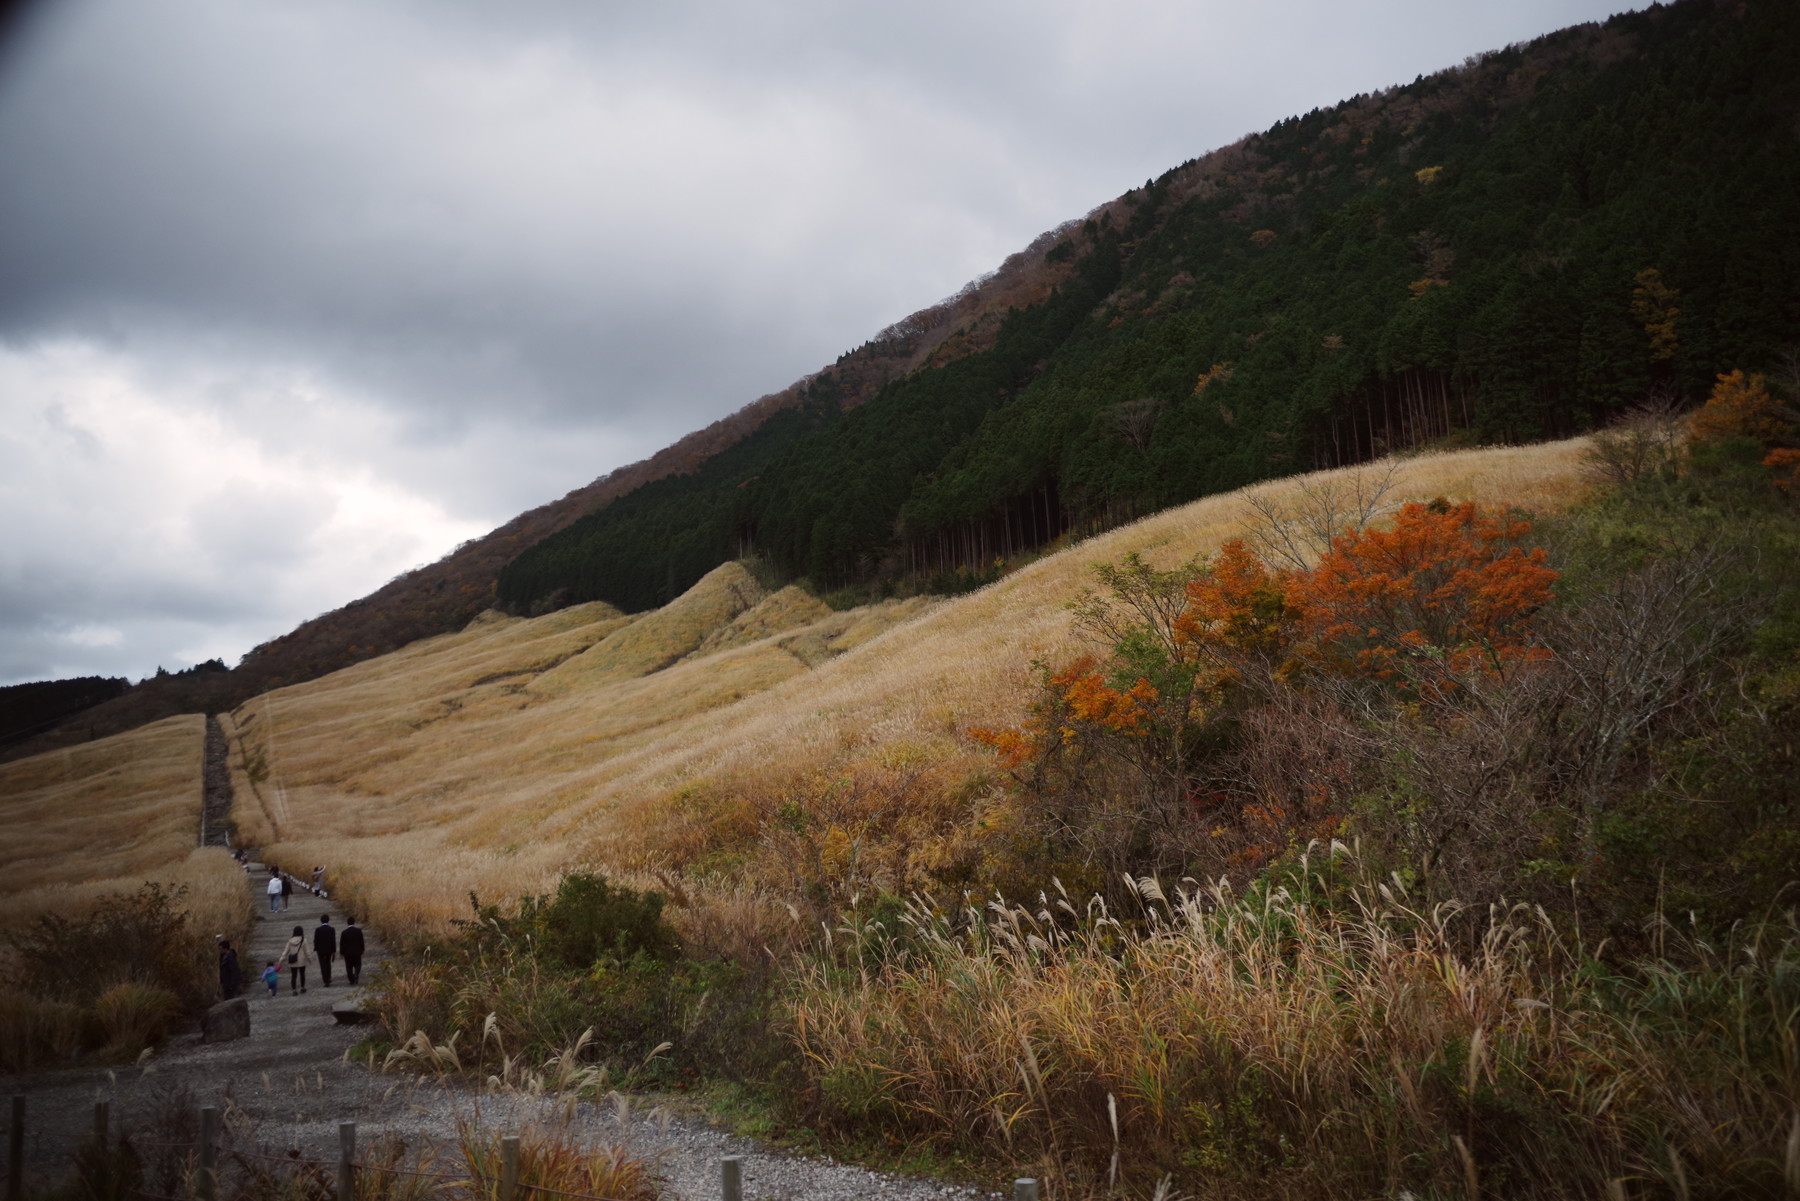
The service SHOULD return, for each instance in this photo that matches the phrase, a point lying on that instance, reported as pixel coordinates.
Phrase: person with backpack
(272, 977)
(350, 946)
(298, 957)
(325, 946)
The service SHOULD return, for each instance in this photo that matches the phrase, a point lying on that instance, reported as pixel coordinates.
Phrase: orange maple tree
(1740, 406)
(1446, 591)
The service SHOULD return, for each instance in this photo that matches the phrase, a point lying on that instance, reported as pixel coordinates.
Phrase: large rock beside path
(226, 1021)
(349, 1013)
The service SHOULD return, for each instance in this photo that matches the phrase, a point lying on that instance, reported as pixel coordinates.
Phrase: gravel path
(288, 1085)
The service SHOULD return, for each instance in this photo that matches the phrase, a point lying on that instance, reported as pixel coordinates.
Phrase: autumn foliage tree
(1134, 751)
(1742, 407)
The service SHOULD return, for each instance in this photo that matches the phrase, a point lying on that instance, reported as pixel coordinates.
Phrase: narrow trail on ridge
(285, 1088)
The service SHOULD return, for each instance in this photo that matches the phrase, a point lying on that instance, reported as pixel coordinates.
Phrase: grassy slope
(493, 758)
(79, 823)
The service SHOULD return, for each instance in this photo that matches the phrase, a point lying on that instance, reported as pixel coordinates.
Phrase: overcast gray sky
(297, 294)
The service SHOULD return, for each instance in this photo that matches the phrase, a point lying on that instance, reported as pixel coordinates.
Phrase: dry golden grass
(115, 807)
(788, 609)
(492, 759)
(1274, 1046)
(657, 639)
(80, 823)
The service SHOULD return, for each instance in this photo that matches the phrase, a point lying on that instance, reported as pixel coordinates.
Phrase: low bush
(588, 985)
(141, 937)
(115, 979)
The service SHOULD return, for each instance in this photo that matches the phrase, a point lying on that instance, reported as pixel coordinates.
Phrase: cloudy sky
(297, 294)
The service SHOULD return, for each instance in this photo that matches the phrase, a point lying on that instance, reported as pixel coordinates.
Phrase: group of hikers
(327, 944)
(281, 887)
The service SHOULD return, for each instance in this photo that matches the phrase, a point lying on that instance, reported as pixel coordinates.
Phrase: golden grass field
(656, 746)
(106, 816)
(663, 746)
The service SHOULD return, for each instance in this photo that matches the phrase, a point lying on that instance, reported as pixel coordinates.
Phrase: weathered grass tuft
(135, 1016)
(554, 1156)
(1266, 1043)
(37, 1030)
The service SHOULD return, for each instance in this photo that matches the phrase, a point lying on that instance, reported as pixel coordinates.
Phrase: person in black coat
(325, 946)
(350, 946)
(231, 976)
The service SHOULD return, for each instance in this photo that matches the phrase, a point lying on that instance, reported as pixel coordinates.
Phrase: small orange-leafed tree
(1741, 406)
(1653, 305)
(1785, 463)
(1123, 748)
(1447, 590)
(1106, 754)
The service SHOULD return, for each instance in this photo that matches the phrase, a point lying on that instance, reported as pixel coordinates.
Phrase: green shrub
(523, 987)
(118, 978)
(142, 937)
(591, 919)
(588, 919)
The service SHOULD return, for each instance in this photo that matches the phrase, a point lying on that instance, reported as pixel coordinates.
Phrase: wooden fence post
(346, 1190)
(15, 1150)
(206, 1186)
(731, 1178)
(1025, 1189)
(509, 1168)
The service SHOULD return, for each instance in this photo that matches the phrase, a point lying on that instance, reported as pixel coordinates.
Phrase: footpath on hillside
(285, 1088)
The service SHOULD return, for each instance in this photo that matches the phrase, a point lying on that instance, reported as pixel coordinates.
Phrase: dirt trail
(287, 1086)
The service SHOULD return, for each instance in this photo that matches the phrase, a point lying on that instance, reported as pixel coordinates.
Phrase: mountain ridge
(1196, 365)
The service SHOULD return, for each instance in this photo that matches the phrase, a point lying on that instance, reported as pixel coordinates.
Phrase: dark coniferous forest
(1512, 249)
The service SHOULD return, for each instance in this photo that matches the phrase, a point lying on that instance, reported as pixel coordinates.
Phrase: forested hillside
(1511, 249)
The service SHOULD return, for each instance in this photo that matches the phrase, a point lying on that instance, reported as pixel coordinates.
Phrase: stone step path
(215, 789)
(286, 1087)
(287, 1081)
(270, 937)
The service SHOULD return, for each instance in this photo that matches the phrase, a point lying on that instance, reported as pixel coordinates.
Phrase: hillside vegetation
(1493, 904)
(492, 759)
(1479, 888)
(1517, 248)
(108, 904)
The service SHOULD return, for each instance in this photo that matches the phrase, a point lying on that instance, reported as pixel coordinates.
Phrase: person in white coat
(274, 891)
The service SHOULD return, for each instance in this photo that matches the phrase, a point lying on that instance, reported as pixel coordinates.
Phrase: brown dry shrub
(135, 1016)
(35, 1031)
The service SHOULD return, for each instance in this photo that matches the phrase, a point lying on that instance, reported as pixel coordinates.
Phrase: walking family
(324, 947)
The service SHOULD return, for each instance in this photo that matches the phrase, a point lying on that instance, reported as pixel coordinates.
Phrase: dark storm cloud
(383, 274)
